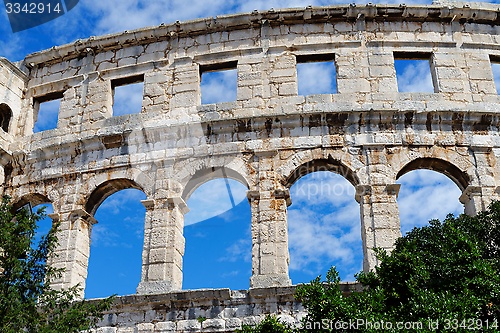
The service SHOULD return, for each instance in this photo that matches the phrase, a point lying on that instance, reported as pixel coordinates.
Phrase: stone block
(382, 71)
(233, 323)
(165, 327)
(481, 73)
(145, 328)
(107, 330)
(213, 325)
(287, 89)
(451, 73)
(188, 325)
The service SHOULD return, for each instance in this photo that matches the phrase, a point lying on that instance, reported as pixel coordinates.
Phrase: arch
(116, 245)
(323, 209)
(458, 176)
(322, 164)
(5, 117)
(44, 225)
(193, 174)
(217, 234)
(431, 189)
(142, 180)
(34, 199)
(106, 189)
(204, 175)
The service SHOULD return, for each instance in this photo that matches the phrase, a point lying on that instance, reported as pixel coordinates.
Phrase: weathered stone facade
(267, 138)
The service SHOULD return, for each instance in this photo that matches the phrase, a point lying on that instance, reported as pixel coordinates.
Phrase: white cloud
(102, 236)
(239, 251)
(119, 217)
(230, 274)
(214, 198)
(115, 203)
(316, 78)
(12, 49)
(426, 195)
(218, 86)
(116, 16)
(414, 76)
(322, 187)
(324, 226)
(12, 45)
(127, 99)
(47, 116)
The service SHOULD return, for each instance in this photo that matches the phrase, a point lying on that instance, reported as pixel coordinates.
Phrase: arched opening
(45, 224)
(217, 233)
(37, 203)
(106, 189)
(324, 222)
(327, 164)
(116, 240)
(5, 117)
(430, 189)
(446, 168)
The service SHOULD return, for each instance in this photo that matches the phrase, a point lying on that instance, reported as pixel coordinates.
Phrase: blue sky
(324, 224)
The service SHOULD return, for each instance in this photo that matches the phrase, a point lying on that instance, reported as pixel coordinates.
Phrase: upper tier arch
(106, 189)
(458, 176)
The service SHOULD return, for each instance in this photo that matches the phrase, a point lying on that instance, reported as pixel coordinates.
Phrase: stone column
(163, 246)
(186, 93)
(380, 225)
(73, 250)
(477, 199)
(270, 255)
(97, 99)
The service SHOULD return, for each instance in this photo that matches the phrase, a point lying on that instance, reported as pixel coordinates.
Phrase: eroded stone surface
(267, 138)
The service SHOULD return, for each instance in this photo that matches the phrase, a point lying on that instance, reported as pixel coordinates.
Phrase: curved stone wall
(267, 138)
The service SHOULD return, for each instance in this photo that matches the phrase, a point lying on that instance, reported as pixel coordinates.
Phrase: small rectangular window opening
(47, 111)
(316, 74)
(127, 95)
(495, 67)
(218, 82)
(413, 72)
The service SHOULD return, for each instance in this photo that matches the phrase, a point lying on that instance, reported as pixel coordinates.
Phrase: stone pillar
(186, 93)
(380, 72)
(477, 199)
(270, 256)
(163, 246)
(73, 250)
(353, 69)
(380, 225)
(97, 99)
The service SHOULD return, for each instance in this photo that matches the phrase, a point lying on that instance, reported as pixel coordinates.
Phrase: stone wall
(267, 138)
(219, 310)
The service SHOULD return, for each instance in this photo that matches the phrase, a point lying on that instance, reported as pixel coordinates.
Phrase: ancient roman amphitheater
(267, 138)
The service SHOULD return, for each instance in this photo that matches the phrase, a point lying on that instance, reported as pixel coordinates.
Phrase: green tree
(269, 324)
(442, 277)
(27, 301)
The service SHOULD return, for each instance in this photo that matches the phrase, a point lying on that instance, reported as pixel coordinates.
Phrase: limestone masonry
(267, 138)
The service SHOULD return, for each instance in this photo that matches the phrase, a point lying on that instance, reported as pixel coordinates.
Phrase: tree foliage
(27, 301)
(441, 277)
(269, 324)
